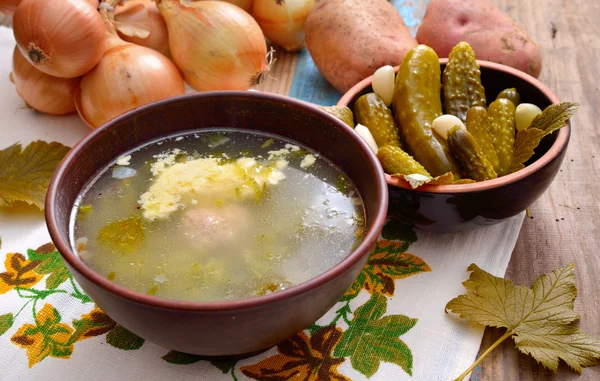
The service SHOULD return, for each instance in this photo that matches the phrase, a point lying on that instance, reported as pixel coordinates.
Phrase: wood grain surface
(565, 223)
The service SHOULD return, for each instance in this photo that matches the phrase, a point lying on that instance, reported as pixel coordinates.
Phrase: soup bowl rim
(558, 145)
(68, 254)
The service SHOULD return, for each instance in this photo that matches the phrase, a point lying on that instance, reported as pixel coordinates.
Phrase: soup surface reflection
(217, 214)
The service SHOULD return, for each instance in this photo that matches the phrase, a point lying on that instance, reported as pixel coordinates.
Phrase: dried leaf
(526, 141)
(539, 319)
(25, 174)
(551, 119)
(554, 117)
(416, 179)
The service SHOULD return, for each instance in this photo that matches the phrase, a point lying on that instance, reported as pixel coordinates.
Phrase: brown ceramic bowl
(451, 208)
(229, 327)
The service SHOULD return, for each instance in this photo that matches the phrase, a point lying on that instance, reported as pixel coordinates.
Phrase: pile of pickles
(470, 142)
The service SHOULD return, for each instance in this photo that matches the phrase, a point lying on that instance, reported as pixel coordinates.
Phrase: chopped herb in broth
(218, 214)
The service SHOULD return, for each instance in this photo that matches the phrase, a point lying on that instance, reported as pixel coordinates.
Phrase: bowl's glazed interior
(228, 327)
(450, 208)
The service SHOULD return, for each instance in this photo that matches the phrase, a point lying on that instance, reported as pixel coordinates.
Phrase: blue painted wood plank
(309, 85)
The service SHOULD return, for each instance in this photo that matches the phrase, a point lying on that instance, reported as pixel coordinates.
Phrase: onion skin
(62, 38)
(244, 4)
(127, 77)
(149, 19)
(7, 9)
(283, 21)
(42, 92)
(216, 45)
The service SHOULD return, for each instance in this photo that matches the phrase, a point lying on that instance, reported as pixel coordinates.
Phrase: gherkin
(416, 104)
(502, 127)
(370, 111)
(462, 82)
(343, 113)
(397, 162)
(478, 125)
(511, 94)
(469, 154)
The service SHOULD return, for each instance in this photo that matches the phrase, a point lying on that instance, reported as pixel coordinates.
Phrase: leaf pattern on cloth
(50, 263)
(373, 338)
(302, 358)
(19, 273)
(48, 337)
(387, 263)
(94, 323)
(311, 355)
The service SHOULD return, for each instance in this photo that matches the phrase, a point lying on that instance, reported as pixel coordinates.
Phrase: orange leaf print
(19, 273)
(48, 337)
(94, 323)
(302, 358)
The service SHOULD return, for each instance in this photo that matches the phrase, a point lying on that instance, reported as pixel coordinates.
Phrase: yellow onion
(244, 4)
(282, 21)
(128, 76)
(63, 38)
(216, 45)
(140, 22)
(7, 8)
(41, 91)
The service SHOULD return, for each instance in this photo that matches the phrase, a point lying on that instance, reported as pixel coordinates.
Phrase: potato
(350, 39)
(493, 35)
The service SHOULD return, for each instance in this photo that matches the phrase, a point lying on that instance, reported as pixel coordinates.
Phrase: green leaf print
(373, 338)
(397, 230)
(6, 321)
(180, 358)
(121, 338)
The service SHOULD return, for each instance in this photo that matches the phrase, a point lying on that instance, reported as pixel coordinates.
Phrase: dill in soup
(217, 214)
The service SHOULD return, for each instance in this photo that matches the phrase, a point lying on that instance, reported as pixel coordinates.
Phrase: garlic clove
(525, 113)
(383, 83)
(365, 134)
(444, 123)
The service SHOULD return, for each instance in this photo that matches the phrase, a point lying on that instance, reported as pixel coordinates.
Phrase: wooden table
(564, 222)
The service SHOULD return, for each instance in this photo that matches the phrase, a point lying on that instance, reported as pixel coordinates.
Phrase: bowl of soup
(462, 207)
(217, 223)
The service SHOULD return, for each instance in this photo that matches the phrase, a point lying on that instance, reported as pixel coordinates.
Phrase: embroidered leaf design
(302, 358)
(373, 338)
(19, 273)
(180, 358)
(25, 174)
(387, 263)
(51, 264)
(539, 319)
(48, 337)
(121, 338)
(94, 323)
(551, 119)
(224, 365)
(6, 321)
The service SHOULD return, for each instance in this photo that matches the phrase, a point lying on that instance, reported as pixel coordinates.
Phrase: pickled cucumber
(462, 82)
(511, 94)
(397, 162)
(343, 113)
(465, 149)
(478, 125)
(501, 115)
(370, 111)
(416, 104)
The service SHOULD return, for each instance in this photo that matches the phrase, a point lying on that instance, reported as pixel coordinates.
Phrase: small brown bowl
(228, 327)
(452, 208)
